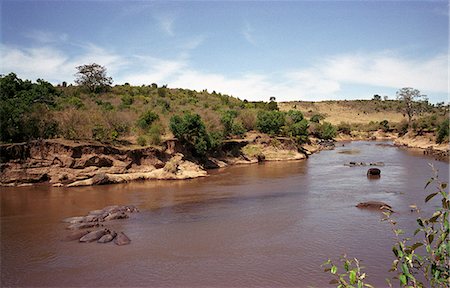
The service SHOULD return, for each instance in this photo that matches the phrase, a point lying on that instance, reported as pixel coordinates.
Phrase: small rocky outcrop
(375, 205)
(99, 218)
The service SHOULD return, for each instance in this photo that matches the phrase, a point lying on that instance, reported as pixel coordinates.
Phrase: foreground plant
(410, 265)
(352, 274)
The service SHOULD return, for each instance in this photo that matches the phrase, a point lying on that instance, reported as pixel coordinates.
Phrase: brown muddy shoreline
(60, 162)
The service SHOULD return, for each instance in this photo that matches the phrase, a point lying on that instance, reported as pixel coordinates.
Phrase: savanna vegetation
(148, 114)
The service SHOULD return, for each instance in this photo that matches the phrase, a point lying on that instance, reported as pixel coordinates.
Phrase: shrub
(142, 140)
(146, 119)
(75, 102)
(127, 100)
(248, 119)
(344, 128)
(272, 106)
(190, 131)
(295, 116)
(402, 128)
(162, 92)
(443, 132)
(324, 131)
(270, 121)
(384, 125)
(316, 118)
(154, 134)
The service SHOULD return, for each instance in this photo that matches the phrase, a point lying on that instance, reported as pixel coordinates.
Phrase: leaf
(333, 269)
(417, 231)
(360, 284)
(405, 269)
(394, 249)
(430, 238)
(429, 197)
(429, 182)
(420, 222)
(352, 277)
(443, 185)
(416, 245)
(435, 216)
(402, 279)
(346, 265)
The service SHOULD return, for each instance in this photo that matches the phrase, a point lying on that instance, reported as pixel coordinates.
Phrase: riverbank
(59, 162)
(425, 142)
(73, 163)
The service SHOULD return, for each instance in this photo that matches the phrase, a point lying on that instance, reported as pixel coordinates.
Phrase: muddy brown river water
(266, 225)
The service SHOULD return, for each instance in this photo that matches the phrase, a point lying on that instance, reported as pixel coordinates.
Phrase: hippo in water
(375, 205)
(374, 172)
(76, 235)
(122, 239)
(107, 237)
(94, 235)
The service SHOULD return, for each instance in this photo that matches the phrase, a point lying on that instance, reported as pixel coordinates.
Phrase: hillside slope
(353, 112)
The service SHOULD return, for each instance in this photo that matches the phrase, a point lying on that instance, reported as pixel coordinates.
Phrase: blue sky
(293, 50)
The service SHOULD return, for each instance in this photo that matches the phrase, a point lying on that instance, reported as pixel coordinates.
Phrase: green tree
(325, 131)
(443, 132)
(93, 77)
(191, 132)
(296, 126)
(410, 98)
(25, 108)
(270, 121)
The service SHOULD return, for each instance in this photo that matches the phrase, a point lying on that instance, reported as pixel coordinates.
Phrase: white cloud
(46, 37)
(328, 78)
(152, 70)
(388, 71)
(52, 64)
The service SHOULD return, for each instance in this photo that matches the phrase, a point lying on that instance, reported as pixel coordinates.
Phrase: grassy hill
(352, 112)
(143, 114)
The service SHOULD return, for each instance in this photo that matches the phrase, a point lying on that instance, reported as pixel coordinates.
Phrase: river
(265, 225)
